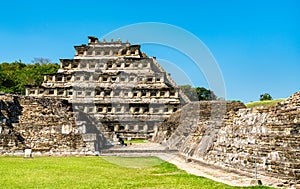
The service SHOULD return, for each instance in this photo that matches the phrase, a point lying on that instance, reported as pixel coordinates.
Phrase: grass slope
(264, 103)
(97, 172)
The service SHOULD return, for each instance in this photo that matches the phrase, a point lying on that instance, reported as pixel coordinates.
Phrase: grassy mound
(265, 103)
(97, 172)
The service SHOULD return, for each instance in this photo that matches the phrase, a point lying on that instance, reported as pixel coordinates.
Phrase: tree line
(14, 76)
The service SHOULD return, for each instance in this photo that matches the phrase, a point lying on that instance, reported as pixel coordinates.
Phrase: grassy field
(97, 172)
(264, 103)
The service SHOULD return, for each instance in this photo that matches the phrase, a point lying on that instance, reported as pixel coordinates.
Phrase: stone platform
(139, 149)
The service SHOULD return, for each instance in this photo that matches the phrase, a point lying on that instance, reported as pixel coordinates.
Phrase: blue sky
(255, 43)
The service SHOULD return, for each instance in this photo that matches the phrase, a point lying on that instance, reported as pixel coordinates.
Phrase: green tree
(205, 94)
(265, 96)
(199, 93)
(14, 76)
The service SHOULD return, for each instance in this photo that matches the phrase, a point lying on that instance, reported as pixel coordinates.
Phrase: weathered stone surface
(45, 125)
(268, 136)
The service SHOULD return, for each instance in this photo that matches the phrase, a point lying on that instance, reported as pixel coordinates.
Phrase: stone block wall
(46, 125)
(268, 136)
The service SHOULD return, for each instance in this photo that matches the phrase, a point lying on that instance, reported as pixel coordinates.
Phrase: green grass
(97, 172)
(136, 141)
(265, 103)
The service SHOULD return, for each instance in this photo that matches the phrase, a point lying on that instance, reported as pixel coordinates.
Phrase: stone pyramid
(124, 91)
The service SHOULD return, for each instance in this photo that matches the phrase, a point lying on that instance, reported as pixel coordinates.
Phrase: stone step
(120, 151)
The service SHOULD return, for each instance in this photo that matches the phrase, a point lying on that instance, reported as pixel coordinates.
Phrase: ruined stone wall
(268, 136)
(47, 126)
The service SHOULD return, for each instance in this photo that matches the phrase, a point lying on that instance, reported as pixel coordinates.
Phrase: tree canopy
(265, 96)
(14, 76)
(198, 93)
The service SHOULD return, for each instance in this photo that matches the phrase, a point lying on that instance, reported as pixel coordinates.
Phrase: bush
(265, 96)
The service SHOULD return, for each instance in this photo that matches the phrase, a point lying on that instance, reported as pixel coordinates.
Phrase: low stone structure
(263, 137)
(45, 125)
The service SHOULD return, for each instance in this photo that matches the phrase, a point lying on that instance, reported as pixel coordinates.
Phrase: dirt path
(217, 174)
(232, 178)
